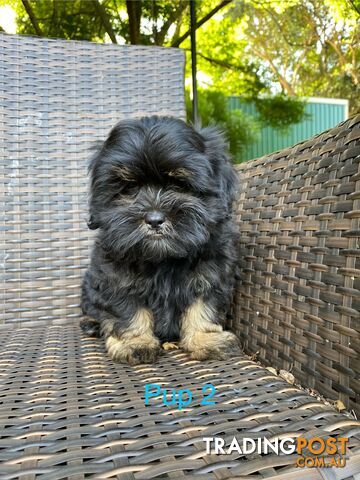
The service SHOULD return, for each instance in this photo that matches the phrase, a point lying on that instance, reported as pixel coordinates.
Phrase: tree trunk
(32, 17)
(207, 17)
(134, 14)
(105, 20)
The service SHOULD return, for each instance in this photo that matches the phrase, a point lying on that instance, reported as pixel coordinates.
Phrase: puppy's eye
(129, 189)
(180, 187)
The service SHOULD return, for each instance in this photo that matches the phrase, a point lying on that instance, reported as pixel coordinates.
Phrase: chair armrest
(297, 301)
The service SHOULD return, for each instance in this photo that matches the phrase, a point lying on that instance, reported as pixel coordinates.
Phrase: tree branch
(100, 9)
(287, 87)
(32, 17)
(154, 15)
(174, 15)
(342, 60)
(291, 44)
(134, 14)
(354, 6)
(221, 63)
(207, 17)
(177, 29)
(297, 66)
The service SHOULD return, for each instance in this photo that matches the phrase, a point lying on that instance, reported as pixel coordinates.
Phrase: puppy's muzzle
(155, 219)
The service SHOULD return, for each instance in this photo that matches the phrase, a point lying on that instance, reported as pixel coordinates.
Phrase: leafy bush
(280, 111)
(240, 128)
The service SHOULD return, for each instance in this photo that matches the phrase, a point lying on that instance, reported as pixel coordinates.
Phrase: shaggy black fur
(161, 197)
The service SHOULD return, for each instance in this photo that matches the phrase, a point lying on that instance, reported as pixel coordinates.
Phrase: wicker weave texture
(69, 412)
(57, 98)
(298, 300)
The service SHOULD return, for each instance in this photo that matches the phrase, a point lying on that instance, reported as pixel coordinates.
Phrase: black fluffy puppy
(162, 267)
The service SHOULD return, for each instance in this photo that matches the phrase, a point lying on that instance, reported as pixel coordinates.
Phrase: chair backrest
(298, 302)
(57, 99)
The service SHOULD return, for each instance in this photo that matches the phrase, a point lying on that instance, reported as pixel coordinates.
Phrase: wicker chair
(68, 411)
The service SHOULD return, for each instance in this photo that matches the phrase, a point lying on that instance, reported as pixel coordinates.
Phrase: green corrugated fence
(322, 113)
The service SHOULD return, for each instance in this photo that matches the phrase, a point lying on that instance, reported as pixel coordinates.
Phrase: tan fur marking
(123, 172)
(199, 318)
(139, 335)
(179, 172)
(201, 336)
(170, 346)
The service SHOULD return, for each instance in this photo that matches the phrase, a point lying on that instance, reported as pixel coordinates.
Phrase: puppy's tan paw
(144, 355)
(134, 350)
(213, 346)
(170, 346)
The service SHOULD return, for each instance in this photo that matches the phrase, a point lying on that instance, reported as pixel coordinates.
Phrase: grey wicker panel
(298, 302)
(57, 98)
(69, 412)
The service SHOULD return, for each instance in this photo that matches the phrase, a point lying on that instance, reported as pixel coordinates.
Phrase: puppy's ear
(216, 148)
(93, 222)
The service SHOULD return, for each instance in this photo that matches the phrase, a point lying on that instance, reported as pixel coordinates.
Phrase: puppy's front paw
(90, 327)
(213, 346)
(145, 354)
(134, 350)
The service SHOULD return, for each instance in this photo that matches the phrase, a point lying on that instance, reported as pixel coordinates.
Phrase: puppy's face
(159, 188)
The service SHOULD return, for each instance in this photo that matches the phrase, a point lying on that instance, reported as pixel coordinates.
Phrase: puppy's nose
(154, 218)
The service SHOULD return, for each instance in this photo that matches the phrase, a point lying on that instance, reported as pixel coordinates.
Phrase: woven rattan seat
(66, 410)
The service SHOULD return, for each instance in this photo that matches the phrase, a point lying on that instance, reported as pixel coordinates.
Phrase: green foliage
(302, 48)
(69, 19)
(96, 20)
(269, 52)
(240, 129)
(280, 111)
(221, 58)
